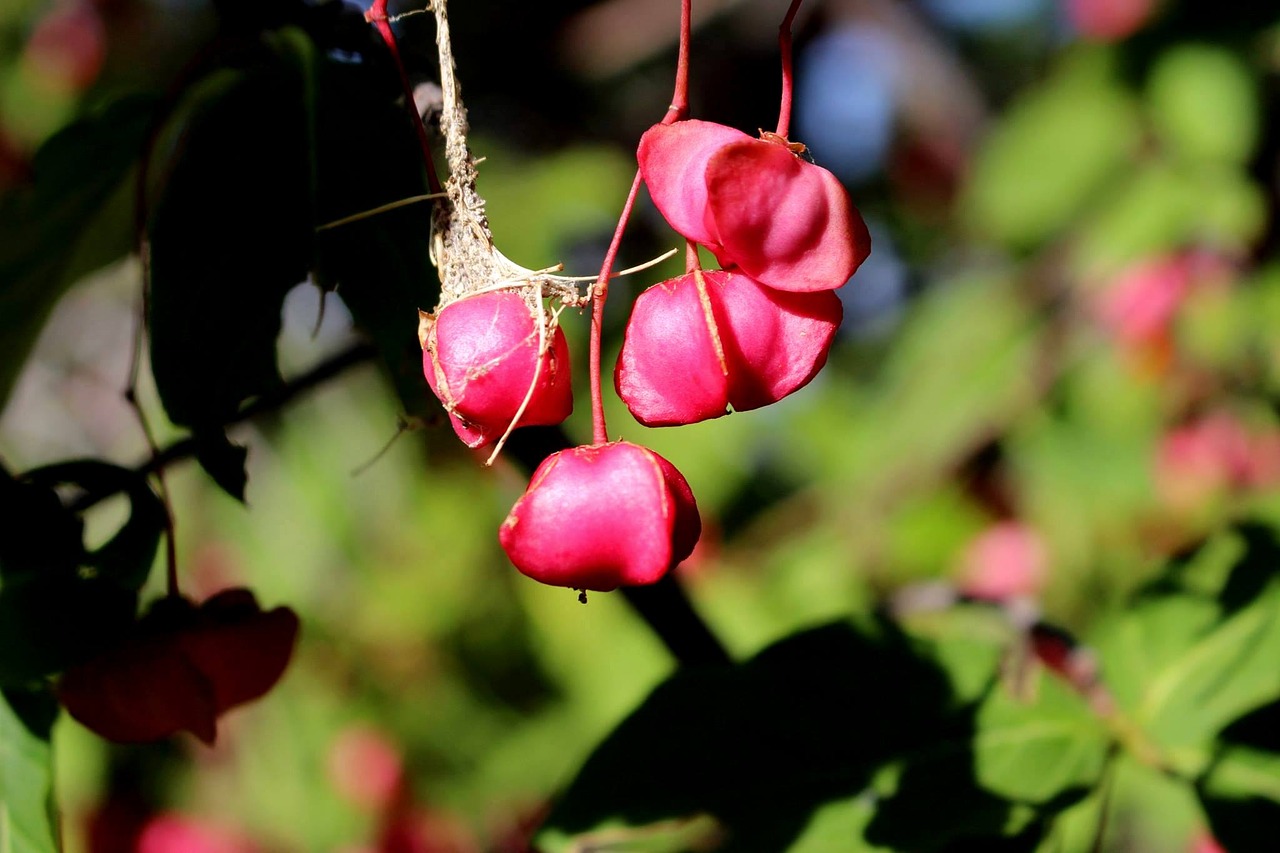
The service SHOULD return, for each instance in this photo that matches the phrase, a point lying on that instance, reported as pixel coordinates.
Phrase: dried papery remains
(470, 267)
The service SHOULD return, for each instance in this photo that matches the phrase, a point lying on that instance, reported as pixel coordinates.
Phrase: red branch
(600, 292)
(377, 15)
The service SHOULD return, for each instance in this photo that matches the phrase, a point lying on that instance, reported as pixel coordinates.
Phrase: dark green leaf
(126, 559)
(48, 623)
(27, 822)
(1185, 661)
(1241, 795)
(223, 461)
(379, 266)
(1017, 764)
(76, 218)
(39, 533)
(232, 231)
(761, 745)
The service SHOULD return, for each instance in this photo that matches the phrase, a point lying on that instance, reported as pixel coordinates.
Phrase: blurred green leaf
(1040, 750)
(76, 218)
(1240, 793)
(964, 362)
(1203, 103)
(1024, 762)
(1185, 665)
(28, 821)
(1164, 206)
(1051, 152)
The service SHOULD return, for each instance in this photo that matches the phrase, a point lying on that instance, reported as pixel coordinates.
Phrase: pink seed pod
(602, 516)
(706, 341)
(480, 355)
(755, 203)
(241, 649)
(181, 668)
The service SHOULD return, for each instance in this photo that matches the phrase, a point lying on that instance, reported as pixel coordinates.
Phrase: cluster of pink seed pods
(786, 235)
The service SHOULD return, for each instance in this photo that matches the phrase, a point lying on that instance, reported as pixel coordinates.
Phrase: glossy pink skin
(480, 357)
(602, 516)
(694, 349)
(673, 161)
(787, 223)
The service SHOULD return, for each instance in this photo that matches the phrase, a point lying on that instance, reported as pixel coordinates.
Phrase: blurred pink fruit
(1212, 456)
(68, 46)
(181, 668)
(1139, 305)
(1109, 20)
(173, 833)
(365, 767)
(1006, 561)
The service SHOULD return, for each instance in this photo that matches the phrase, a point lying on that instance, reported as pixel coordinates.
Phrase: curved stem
(691, 260)
(599, 293)
(784, 48)
(377, 15)
(600, 290)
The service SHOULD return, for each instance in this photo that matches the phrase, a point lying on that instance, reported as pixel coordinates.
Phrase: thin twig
(185, 448)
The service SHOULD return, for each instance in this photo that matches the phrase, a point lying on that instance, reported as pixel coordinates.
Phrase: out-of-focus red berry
(181, 668)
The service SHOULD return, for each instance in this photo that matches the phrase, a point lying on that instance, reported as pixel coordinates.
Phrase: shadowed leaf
(75, 218)
(27, 819)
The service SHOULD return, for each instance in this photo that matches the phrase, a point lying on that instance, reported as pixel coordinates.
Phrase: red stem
(691, 260)
(599, 431)
(600, 292)
(680, 98)
(784, 48)
(377, 15)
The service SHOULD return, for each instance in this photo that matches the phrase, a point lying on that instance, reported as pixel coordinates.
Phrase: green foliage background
(853, 717)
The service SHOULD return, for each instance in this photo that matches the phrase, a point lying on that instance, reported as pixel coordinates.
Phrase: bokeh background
(1058, 366)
